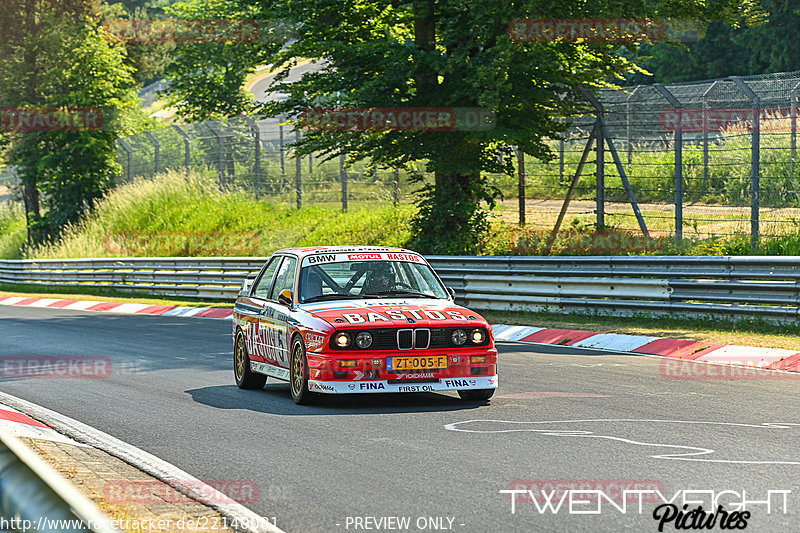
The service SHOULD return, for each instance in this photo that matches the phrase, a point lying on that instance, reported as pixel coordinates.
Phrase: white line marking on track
(579, 433)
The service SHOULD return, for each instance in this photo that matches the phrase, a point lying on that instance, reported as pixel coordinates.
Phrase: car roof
(302, 252)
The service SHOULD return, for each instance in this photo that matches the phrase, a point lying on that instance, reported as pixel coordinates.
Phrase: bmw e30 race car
(342, 320)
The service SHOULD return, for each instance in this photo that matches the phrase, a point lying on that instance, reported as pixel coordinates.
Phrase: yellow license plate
(422, 362)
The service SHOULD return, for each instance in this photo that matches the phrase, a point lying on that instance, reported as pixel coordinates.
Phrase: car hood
(394, 313)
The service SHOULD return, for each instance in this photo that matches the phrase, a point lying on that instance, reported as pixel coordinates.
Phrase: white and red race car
(342, 320)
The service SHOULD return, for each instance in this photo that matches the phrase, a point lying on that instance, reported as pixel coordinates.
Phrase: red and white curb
(116, 307)
(707, 352)
(181, 481)
(13, 422)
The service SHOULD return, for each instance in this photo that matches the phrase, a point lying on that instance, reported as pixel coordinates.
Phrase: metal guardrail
(34, 497)
(767, 287)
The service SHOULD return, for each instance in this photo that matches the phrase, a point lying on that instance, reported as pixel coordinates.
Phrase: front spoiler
(444, 384)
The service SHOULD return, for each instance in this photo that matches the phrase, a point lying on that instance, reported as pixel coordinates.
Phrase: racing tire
(298, 374)
(245, 378)
(476, 395)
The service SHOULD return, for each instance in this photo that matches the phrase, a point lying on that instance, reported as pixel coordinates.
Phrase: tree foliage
(446, 53)
(740, 48)
(54, 55)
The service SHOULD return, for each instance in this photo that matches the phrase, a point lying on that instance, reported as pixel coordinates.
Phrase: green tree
(54, 55)
(734, 48)
(450, 53)
(207, 78)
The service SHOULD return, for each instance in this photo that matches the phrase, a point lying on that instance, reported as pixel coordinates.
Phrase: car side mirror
(285, 297)
(451, 291)
(247, 283)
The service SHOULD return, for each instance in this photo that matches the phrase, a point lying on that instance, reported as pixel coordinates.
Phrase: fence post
(298, 177)
(395, 187)
(600, 175)
(343, 177)
(257, 154)
(521, 183)
(280, 146)
(705, 129)
(127, 147)
(755, 159)
(629, 125)
(560, 159)
(157, 154)
(793, 119)
(220, 158)
(187, 143)
(678, 159)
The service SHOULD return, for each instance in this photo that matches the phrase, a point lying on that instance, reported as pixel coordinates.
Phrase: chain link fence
(255, 154)
(701, 160)
(692, 160)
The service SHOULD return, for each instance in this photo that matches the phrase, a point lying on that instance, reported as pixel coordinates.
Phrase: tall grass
(12, 230)
(186, 214)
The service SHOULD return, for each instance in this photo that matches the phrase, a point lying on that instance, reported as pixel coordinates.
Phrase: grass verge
(743, 332)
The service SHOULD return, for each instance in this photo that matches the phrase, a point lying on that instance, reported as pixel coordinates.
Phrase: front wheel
(245, 378)
(476, 395)
(298, 373)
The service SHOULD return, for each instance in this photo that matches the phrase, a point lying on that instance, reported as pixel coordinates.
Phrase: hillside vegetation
(176, 214)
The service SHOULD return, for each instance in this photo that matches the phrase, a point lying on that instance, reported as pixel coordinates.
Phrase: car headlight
(342, 340)
(477, 336)
(364, 340)
(459, 337)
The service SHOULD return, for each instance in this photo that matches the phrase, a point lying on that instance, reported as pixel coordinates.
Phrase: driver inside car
(380, 278)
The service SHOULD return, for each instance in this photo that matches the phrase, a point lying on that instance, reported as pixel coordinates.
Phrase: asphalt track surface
(560, 414)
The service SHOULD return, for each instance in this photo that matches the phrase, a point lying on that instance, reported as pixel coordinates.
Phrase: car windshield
(368, 279)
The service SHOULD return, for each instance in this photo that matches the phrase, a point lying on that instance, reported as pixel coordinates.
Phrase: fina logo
(371, 386)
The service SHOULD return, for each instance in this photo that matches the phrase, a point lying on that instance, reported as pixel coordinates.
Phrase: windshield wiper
(323, 297)
(397, 292)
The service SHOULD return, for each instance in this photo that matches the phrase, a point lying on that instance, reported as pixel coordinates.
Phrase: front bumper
(444, 384)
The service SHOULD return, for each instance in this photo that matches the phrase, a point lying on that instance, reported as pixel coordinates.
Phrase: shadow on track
(274, 398)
